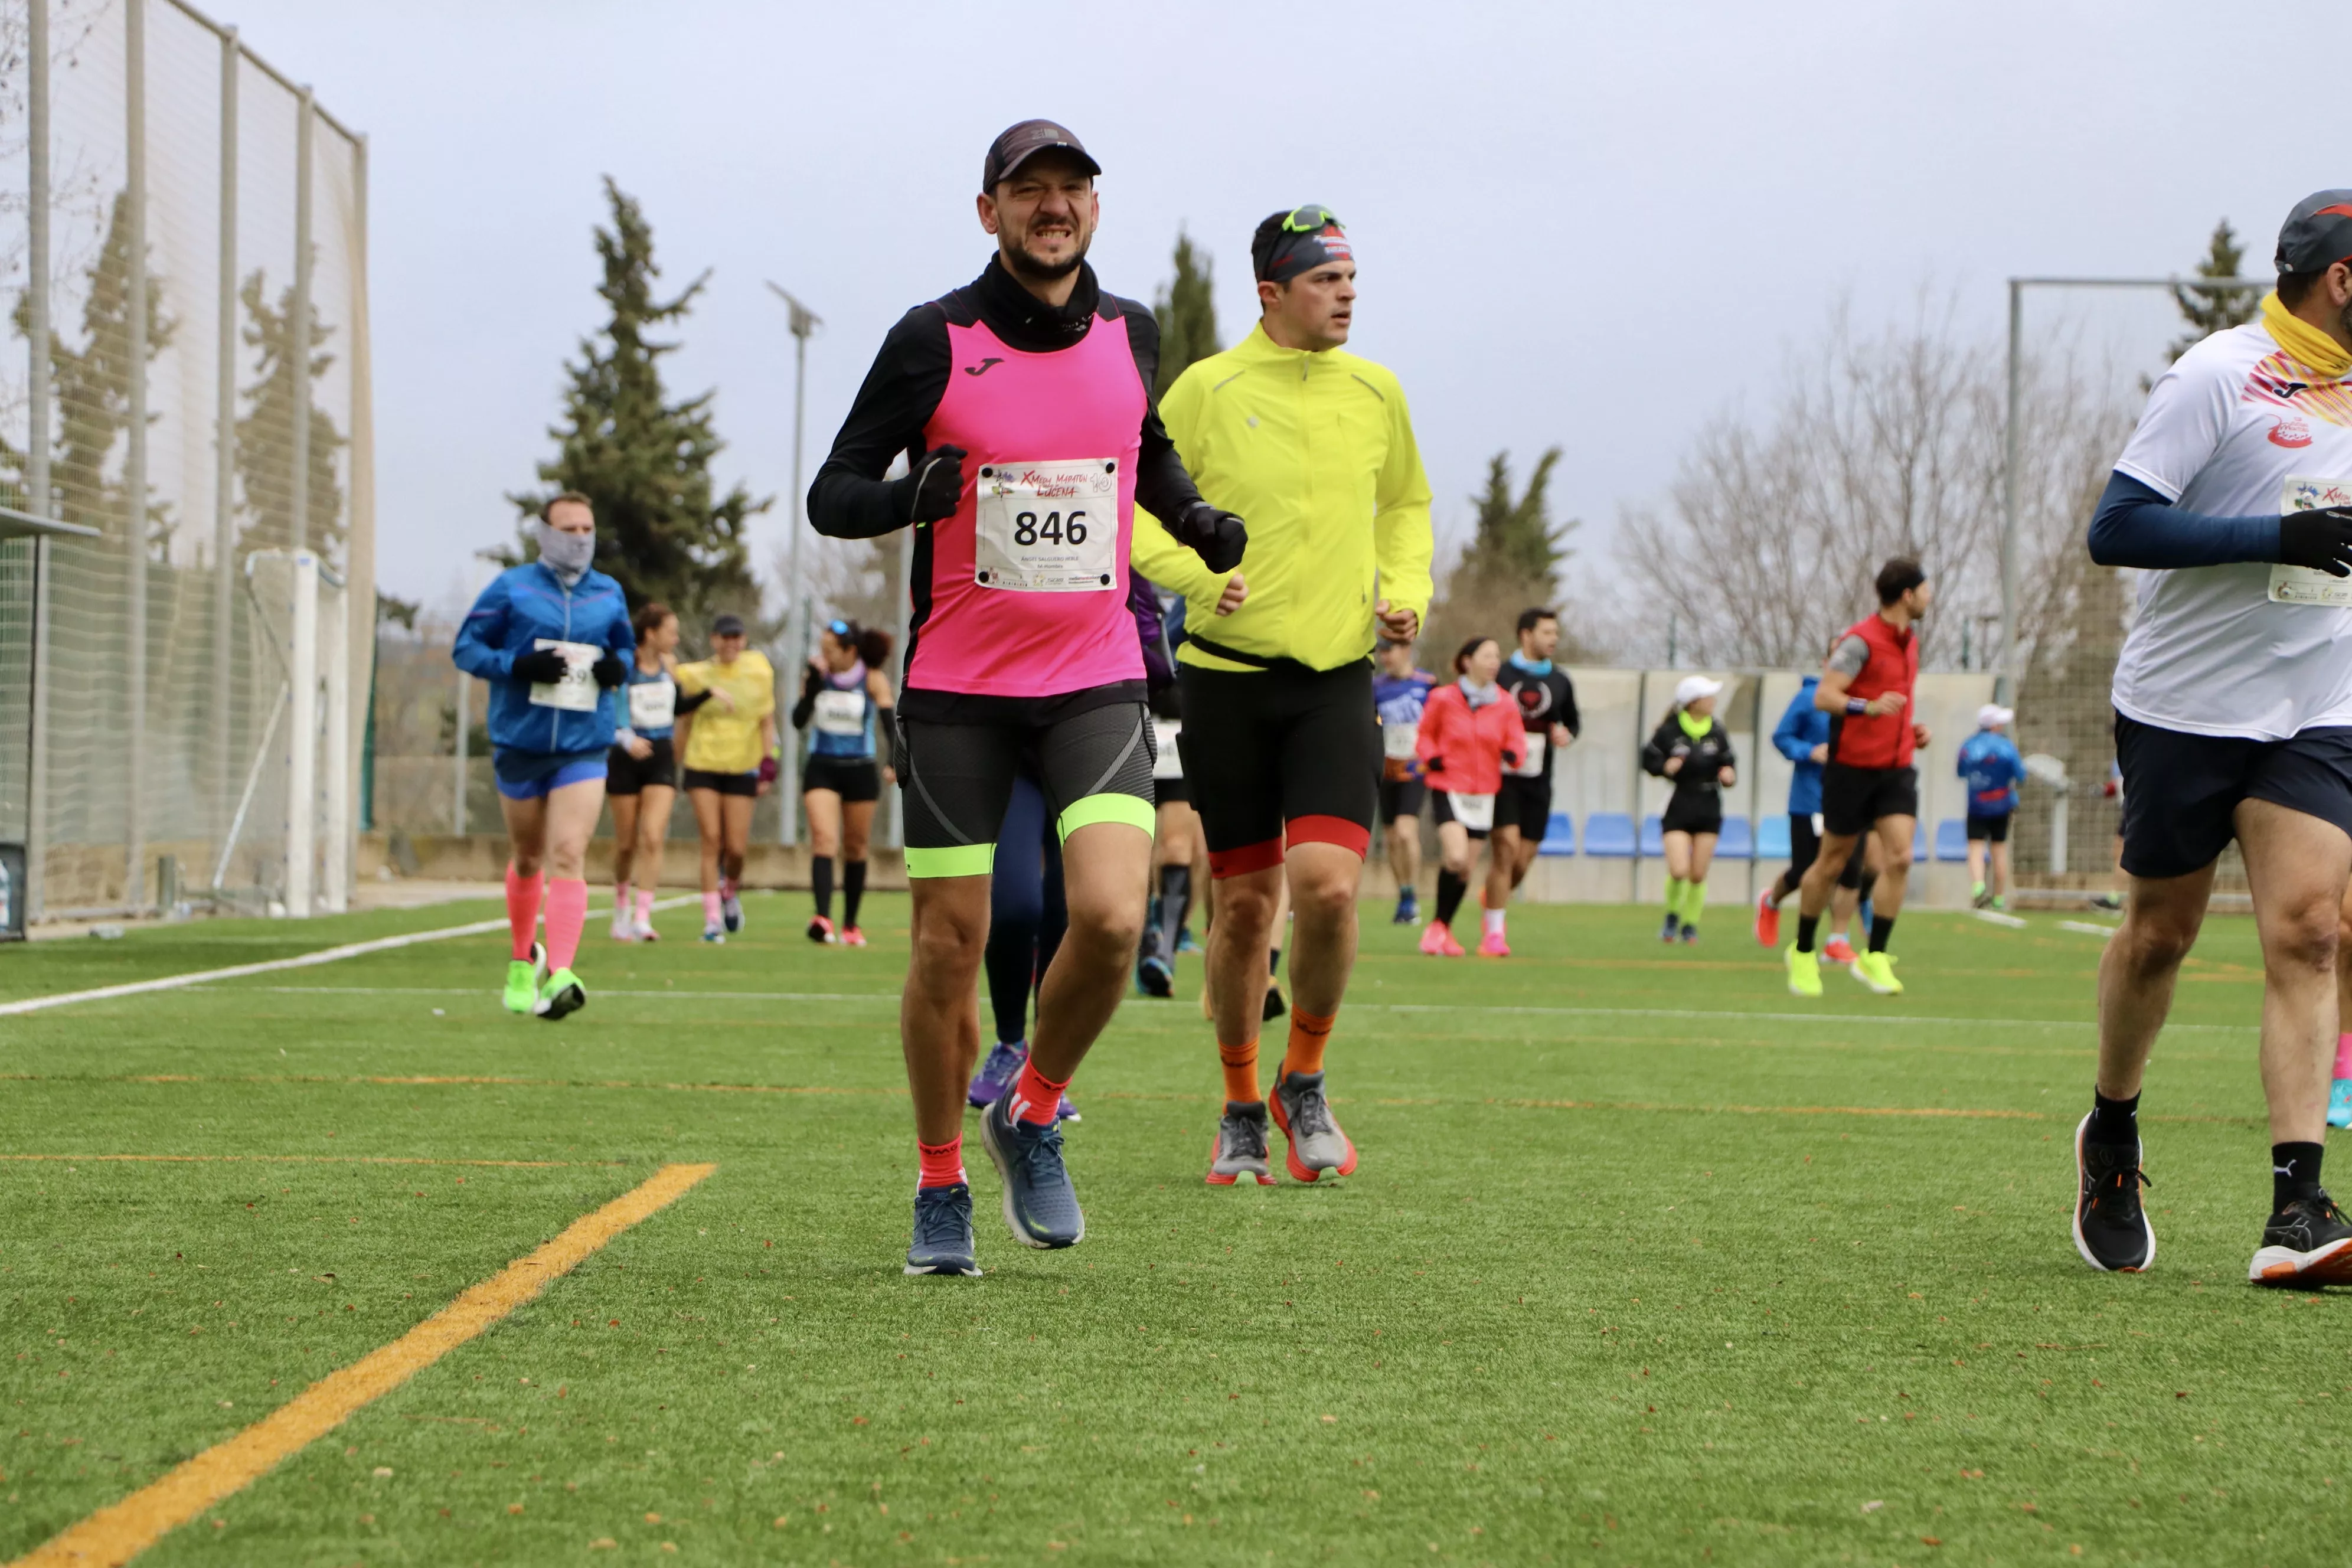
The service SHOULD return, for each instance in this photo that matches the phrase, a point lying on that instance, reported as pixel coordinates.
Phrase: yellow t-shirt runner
(726, 736)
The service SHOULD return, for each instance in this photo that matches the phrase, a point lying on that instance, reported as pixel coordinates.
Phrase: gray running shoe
(1041, 1208)
(1241, 1147)
(942, 1232)
(1317, 1144)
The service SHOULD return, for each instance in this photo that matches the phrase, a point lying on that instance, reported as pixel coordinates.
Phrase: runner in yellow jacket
(1314, 446)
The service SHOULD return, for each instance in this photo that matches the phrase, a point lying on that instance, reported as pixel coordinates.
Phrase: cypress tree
(265, 435)
(1187, 312)
(2211, 310)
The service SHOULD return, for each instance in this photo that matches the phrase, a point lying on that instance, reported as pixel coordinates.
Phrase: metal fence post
(465, 720)
(36, 462)
(299, 512)
(224, 738)
(134, 467)
(302, 734)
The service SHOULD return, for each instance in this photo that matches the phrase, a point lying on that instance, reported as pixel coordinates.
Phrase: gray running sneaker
(1241, 1147)
(942, 1232)
(1041, 1208)
(1317, 1144)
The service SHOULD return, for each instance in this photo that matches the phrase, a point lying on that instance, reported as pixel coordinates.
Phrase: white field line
(274, 965)
(2089, 928)
(1995, 918)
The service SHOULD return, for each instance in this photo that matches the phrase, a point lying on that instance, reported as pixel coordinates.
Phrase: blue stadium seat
(1559, 836)
(1952, 839)
(1609, 835)
(1735, 842)
(1653, 840)
(1772, 839)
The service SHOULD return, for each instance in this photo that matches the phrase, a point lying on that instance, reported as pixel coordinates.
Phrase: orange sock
(1309, 1034)
(1240, 1072)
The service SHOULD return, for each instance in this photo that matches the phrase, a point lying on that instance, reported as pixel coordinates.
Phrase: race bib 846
(1047, 526)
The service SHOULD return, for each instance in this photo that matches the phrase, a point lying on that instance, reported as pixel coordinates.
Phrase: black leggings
(1026, 912)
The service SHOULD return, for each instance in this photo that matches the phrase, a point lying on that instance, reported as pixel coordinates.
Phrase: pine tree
(2211, 310)
(1516, 542)
(265, 435)
(1187, 310)
(644, 462)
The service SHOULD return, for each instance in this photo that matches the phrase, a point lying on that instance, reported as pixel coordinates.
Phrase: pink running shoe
(1768, 919)
(1492, 945)
(1437, 941)
(852, 937)
(821, 930)
(1837, 950)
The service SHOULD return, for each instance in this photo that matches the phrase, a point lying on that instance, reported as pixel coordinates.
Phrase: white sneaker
(642, 930)
(621, 930)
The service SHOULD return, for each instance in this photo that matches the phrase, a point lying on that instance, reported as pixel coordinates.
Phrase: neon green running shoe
(1804, 974)
(522, 980)
(561, 996)
(1876, 970)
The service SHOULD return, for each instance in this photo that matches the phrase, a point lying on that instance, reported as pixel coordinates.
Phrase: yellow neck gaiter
(2304, 341)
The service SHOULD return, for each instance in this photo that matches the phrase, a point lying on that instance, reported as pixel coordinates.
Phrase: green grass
(1638, 1267)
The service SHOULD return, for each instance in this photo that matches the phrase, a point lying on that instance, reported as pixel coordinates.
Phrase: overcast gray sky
(1592, 225)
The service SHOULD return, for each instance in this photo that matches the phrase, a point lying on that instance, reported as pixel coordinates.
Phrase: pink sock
(523, 908)
(2344, 1056)
(620, 898)
(942, 1164)
(567, 911)
(710, 908)
(1037, 1098)
(645, 904)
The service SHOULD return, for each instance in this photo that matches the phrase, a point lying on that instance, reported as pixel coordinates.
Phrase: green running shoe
(561, 996)
(1804, 974)
(522, 980)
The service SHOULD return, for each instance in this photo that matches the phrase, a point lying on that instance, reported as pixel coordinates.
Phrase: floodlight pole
(804, 323)
(2005, 679)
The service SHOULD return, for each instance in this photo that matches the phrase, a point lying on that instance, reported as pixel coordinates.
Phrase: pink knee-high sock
(567, 911)
(644, 903)
(711, 911)
(523, 894)
(2344, 1056)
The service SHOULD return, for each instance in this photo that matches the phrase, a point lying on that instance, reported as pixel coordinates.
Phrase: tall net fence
(181, 659)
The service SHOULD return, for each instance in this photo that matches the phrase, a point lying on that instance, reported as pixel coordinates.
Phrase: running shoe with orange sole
(1316, 1146)
(1240, 1148)
(852, 937)
(2307, 1243)
(1837, 950)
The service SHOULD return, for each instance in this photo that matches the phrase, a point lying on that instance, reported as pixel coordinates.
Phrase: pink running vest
(1083, 402)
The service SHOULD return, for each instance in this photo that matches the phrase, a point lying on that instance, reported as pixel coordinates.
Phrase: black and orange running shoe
(2111, 1228)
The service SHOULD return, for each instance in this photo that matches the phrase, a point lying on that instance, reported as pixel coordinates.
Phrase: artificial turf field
(1646, 1261)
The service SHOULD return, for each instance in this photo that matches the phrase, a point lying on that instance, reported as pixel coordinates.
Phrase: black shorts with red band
(1280, 756)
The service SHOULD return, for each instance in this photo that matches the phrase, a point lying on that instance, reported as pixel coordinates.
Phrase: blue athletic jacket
(1989, 760)
(1801, 729)
(523, 605)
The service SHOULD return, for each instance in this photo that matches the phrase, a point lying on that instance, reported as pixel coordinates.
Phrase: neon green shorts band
(1106, 807)
(958, 860)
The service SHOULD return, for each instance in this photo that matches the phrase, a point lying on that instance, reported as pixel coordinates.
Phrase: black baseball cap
(2318, 233)
(1016, 144)
(727, 626)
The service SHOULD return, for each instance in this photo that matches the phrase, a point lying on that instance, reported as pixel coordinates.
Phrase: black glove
(540, 667)
(1218, 538)
(935, 485)
(2320, 538)
(609, 672)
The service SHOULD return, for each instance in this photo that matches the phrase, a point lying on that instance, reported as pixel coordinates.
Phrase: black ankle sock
(2294, 1172)
(2113, 1120)
(1881, 928)
(821, 878)
(1175, 894)
(1274, 961)
(1806, 926)
(853, 890)
(1449, 891)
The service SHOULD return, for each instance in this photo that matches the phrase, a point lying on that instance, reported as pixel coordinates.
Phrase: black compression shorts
(1854, 798)
(1282, 754)
(625, 774)
(1401, 799)
(1992, 829)
(955, 779)
(1530, 807)
(854, 779)
(1805, 847)
(745, 783)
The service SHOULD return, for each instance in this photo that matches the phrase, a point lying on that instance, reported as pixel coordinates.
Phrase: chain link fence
(184, 649)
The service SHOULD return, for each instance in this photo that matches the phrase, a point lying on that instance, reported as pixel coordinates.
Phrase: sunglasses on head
(839, 629)
(1308, 219)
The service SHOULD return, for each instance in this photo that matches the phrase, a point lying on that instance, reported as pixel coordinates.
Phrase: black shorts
(625, 774)
(1441, 810)
(854, 779)
(1530, 805)
(1167, 792)
(1095, 766)
(745, 783)
(2186, 788)
(1992, 829)
(1401, 799)
(1699, 813)
(1805, 847)
(1854, 798)
(1286, 754)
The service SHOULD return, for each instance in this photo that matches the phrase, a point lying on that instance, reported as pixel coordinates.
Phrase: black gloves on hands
(1217, 537)
(540, 667)
(935, 485)
(2319, 539)
(609, 672)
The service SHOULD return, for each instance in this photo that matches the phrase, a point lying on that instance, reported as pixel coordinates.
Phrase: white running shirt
(2231, 430)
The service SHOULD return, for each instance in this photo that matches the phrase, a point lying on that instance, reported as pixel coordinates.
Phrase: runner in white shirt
(2234, 720)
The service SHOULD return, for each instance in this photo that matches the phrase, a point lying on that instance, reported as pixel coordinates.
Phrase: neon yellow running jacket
(1316, 452)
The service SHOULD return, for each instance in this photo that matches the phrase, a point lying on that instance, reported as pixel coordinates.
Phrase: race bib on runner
(653, 704)
(840, 712)
(1048, 527)
(576, 692)
(1166, 761)
(1399, 738)
(2306, 584)
(1539, 740)
(1475, 812)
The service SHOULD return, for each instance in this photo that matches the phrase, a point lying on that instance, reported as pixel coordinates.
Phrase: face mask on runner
(566, 555)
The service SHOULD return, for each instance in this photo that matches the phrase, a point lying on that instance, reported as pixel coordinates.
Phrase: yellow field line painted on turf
(308, 1160)
(120, 1533)
(270, 966)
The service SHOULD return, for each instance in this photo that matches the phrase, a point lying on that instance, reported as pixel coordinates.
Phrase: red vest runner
(1881, 740)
